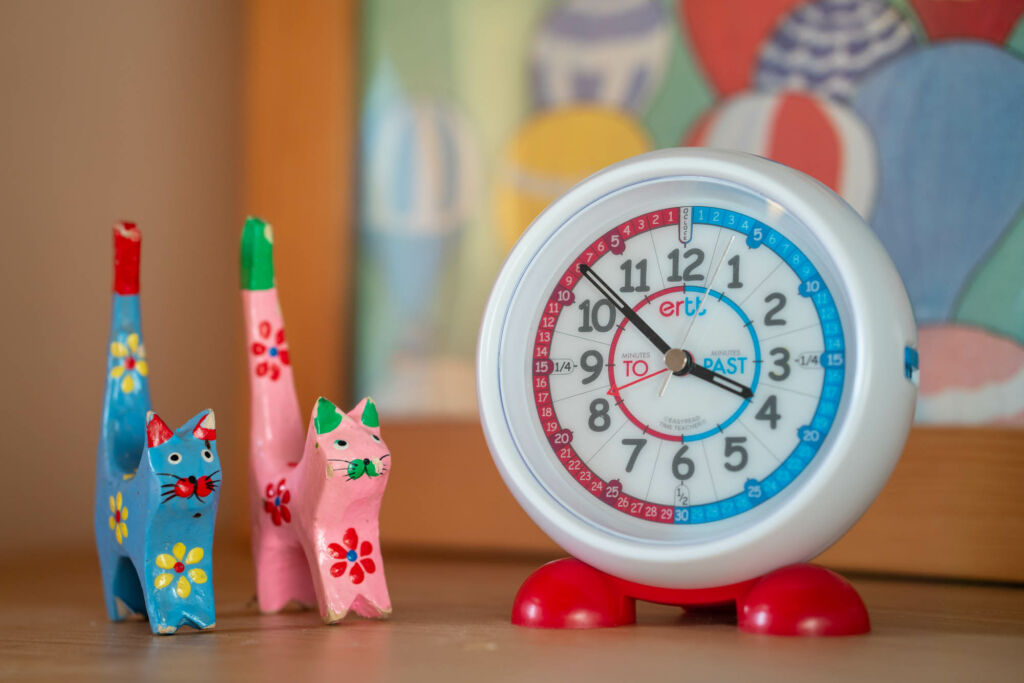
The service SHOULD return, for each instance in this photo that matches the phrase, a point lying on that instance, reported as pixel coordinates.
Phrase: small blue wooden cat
(156, 489)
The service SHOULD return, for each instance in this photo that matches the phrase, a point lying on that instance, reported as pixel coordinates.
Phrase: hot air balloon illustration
(820, 137)
(605, 52)
(990, 20)
(421, 179)
(969, 376)
(828, 45)
(726, 36)
(552, 152)
(947, 121)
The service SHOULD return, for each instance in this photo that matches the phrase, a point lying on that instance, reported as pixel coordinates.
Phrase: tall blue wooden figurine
(156, 489)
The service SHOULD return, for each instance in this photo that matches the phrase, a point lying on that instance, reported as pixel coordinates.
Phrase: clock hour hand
(628, 312)
(718, 380)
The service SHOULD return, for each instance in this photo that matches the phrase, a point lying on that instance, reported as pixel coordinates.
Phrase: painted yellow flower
(133, 366)
(175, 565)
(118, 518)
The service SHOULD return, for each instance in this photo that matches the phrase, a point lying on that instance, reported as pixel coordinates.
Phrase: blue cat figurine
(156, 489)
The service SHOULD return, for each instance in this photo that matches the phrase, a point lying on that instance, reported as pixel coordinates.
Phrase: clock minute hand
(721, 381)
(628, 312)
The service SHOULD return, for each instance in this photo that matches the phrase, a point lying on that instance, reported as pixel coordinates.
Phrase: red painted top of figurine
(126, 258)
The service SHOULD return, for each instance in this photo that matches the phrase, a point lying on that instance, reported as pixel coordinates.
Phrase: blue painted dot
(277, 501)
(352, 556)
(273, 351)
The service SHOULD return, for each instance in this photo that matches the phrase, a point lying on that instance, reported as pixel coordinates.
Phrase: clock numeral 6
(682, 467)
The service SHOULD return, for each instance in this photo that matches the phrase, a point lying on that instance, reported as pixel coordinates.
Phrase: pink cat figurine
(315, 507)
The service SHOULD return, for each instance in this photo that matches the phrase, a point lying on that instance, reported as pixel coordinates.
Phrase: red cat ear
(157, 431)
(206, 429)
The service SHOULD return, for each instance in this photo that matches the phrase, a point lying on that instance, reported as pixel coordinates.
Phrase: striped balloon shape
(969, 376)
(990, 20)
(422, 169)
(422, 180)
(820, 137)
(827, 46)
(726, 35)
(608, 52)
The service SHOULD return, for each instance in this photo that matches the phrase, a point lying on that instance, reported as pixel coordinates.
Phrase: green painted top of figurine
(257, 254)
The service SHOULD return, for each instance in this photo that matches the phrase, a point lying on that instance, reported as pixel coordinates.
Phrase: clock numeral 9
(599, 316)
(682, 467)
(734, 446)
(599, 419)
(593, 362)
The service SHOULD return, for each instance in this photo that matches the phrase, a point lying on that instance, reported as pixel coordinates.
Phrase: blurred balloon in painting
(994, 297)
(947, 122)
(422, 179)
(969, 376)
(552, 152)
(820, 137)
(828, 45)
(608, 52)
(726, 36)
(990, 20)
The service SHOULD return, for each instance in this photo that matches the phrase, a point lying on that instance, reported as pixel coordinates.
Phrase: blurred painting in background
(477, 114)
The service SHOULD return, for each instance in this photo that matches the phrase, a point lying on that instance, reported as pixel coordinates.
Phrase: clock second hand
(707, 287)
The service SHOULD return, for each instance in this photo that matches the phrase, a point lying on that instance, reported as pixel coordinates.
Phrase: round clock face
(688, 364)
(696, 367)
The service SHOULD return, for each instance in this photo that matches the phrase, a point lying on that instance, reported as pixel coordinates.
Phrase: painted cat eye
(207, 455)
(341, 444)
(375, 437)
(174, 458)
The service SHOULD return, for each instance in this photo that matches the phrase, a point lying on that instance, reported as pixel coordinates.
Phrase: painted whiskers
(156, 489)
(315, 500)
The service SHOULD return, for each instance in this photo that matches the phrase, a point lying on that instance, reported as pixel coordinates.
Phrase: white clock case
(861, 451)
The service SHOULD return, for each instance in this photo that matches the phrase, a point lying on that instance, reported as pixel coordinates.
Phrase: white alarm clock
(697, 367)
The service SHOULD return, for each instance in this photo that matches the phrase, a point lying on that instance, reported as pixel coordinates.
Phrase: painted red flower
(273, 347)
(276, 504)
(362, 563)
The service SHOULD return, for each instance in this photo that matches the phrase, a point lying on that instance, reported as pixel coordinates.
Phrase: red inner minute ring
(613, 390)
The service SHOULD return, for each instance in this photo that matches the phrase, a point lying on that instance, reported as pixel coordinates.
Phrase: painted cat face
(351, 442)
(185, 462)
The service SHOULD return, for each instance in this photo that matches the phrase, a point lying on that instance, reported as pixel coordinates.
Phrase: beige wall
(112, 110)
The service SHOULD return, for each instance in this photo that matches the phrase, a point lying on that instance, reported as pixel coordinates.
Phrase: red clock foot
(567, 593)
(803, 600)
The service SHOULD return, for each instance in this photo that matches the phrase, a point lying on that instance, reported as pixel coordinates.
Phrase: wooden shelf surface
(451, 623)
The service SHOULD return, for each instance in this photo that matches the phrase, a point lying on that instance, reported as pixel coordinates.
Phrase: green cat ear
(327, 417)
(257, 254)
(369, 416)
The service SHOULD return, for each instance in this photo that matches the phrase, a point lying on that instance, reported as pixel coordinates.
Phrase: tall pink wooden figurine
(314, 506)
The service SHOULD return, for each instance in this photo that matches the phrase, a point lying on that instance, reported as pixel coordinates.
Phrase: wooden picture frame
(951, 508)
